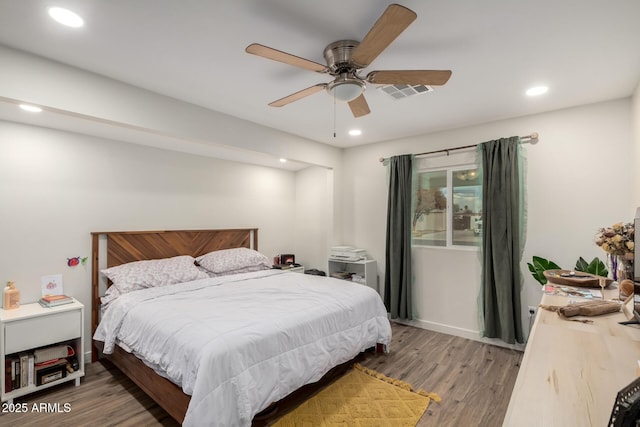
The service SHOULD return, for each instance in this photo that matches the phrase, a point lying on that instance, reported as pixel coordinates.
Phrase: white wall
(579, 179)
(56, 187)
(313, 216)
(89, 103)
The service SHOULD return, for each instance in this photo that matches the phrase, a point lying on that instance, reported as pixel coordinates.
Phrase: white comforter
(238, 343)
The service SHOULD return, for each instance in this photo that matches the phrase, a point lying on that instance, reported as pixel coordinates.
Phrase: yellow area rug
(361, 397)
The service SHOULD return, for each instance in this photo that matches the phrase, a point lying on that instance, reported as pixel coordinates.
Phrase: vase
(623, 269)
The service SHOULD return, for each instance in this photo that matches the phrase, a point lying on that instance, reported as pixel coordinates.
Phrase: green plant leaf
(536, 274)
(597, 267)
(582, 265)
(539, 266)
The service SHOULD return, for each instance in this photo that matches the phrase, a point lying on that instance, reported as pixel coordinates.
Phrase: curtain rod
(532, 137)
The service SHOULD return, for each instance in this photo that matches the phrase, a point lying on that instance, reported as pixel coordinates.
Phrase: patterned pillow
(155, 272)
(237, 260)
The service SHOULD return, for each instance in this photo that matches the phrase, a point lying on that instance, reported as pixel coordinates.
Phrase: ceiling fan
(345, 58)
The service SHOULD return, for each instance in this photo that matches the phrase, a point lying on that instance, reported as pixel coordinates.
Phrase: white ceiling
(585, 50)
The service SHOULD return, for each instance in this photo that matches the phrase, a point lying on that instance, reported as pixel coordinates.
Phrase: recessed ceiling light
(538, 90)
(66, 17)
(30, 108)
(283, 160)
(355, 132)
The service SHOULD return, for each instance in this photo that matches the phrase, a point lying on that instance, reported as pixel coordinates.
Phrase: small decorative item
(52, 285)
(287, 259)
(11, 296)
(577, 279)
(72, 262)
(617, 241)
(627, 288)
(603, 284)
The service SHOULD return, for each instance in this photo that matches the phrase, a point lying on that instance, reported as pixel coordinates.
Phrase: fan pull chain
(334, 116)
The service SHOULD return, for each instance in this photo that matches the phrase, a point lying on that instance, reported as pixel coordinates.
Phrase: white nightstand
(362, 271)
(298, 269)
(32, 326)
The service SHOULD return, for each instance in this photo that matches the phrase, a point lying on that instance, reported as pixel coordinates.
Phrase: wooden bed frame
(129, 246)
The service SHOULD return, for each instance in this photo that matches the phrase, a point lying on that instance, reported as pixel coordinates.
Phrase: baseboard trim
(458, 332)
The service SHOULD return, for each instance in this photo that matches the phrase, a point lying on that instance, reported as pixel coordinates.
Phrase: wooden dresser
(571, 372)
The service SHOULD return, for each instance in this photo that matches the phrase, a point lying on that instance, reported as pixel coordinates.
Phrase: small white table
(32, 326)
(365, 270)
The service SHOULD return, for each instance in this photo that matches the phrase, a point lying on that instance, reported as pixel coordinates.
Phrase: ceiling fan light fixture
(346, 89)
(346, 58)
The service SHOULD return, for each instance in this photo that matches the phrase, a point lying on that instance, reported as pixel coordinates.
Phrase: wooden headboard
(129, 246)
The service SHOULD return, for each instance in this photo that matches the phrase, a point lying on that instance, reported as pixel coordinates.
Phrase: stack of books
(55, 300)
(344, 275)
(19, 371)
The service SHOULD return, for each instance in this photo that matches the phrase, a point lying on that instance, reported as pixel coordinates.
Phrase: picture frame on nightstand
(287, 259)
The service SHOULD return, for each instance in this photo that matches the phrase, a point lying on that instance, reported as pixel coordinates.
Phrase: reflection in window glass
(467, 207)
(430, 214)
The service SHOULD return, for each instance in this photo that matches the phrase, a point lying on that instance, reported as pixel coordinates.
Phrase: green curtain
(398, 277)
(502, 213)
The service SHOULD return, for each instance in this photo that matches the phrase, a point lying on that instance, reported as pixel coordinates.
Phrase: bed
(220, 348)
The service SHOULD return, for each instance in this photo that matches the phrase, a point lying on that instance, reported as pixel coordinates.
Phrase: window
(441, 220)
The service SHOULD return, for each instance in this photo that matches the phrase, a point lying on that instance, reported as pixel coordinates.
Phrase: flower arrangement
(617, 239)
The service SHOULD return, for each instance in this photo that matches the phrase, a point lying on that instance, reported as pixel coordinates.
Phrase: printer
(347, 253)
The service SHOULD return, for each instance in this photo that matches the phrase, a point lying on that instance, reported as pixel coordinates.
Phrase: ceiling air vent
(402, 91)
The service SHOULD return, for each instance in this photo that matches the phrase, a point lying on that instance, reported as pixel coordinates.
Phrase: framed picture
(287, 259)
(52, 285)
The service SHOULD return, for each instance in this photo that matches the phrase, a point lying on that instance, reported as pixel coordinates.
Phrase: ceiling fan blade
(393, 21)
(298, 95)
(359, 106)
(410, 77)
(287, 58)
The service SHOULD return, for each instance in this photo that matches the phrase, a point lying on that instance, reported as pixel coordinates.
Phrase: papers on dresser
(569, 291)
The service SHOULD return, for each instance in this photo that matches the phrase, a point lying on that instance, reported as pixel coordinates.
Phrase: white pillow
(238, 260)
(155, 272)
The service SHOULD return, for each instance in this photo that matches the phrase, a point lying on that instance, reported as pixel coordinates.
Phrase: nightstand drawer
(33, 332)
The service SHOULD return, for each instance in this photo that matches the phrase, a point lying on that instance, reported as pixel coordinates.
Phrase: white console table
(571, 372)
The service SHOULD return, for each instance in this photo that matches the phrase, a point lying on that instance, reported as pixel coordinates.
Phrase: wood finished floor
(475, 381)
